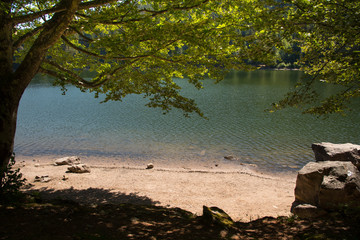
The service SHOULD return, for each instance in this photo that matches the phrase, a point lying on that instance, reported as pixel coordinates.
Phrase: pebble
(150, 166)
(229, 157)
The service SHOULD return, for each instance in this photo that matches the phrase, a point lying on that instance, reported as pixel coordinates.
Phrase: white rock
(68, 160)
(308, 211)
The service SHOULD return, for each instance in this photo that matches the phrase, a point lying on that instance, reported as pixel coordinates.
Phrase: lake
(50, 123)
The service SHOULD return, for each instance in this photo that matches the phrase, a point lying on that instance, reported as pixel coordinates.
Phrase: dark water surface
(76, 124)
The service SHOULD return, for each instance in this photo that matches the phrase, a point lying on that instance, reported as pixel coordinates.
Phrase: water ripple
(49, 123)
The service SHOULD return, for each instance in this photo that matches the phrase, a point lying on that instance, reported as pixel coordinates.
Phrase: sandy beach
(242, 192)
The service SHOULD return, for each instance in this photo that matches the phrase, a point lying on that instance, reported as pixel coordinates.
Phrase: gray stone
(328, 184)
(79, 168)
(326, 151)
(308, 211)
(68, 160)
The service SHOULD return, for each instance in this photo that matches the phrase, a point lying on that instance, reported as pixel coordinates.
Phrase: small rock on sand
(150, 166)
(79, 168)
(43, 179)
(68, 160)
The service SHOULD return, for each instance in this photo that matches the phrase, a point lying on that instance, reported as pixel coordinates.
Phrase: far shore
(241, 191)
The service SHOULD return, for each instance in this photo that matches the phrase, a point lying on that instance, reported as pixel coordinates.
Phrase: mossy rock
(217, 216)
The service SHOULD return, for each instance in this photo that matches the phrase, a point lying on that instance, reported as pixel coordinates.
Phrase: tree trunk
(9, 101)
(8, 110)
(13, 83)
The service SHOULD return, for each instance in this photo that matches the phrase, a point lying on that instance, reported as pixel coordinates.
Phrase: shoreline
(243, 193)
(216, 164)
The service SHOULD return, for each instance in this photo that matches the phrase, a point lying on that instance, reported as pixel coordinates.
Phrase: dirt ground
(69, 220)
(241, 192)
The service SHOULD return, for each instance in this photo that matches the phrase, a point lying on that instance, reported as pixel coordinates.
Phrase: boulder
(68, 160)
(328, 185)
(326, 151)
(79, 168)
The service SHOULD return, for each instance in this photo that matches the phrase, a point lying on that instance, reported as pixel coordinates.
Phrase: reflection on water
(50, 123)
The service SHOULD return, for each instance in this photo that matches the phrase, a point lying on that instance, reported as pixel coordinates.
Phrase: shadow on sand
(94, 196)
(103, 214)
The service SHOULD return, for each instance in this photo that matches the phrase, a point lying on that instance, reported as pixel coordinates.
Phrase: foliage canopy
(328, 33)
(140, 46)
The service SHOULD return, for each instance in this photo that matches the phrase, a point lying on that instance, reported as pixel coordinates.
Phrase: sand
(244, 193)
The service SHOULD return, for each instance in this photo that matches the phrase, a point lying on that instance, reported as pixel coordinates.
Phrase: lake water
(77, 124)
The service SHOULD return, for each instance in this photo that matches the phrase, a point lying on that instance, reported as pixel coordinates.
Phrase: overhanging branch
(151, 14)
(67, 71)
(175, 8)
(69, 76)
(58, 8)
(70, 44)
(52, 73)
(25, 37)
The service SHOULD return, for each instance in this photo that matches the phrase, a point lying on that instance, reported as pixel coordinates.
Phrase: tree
(328, 33)
(131, 46)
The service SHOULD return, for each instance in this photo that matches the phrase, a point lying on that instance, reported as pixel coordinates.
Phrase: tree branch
(25, 37)
(70, 44)
(175, 8)
(81, 34)
(153, 14)
(52, 73)
(165, 59)
(73, 78)
(58, 8)
(67, 71)
(30, 17)
(67, 41)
